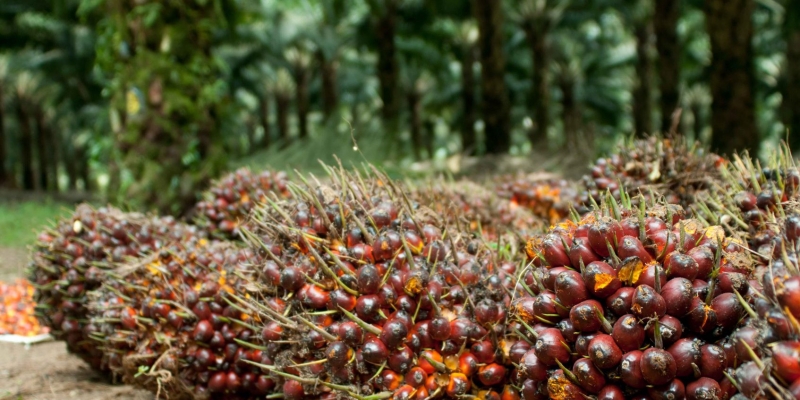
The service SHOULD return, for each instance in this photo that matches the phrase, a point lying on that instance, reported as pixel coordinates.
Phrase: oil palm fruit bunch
(549, 199)
(227, 203)
(673, 168)
(17, 310)
(168, 323)
(472, 207)
(631, 303)
(72, 259)
(382, 299)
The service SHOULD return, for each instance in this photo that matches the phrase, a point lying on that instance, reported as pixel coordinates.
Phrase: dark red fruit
(550, 346)
(601, 279)
(630, 370)
(628, 334)
(703, 389)
(620, 302)
(658, 366)
(588, 376)
(648, 303)
(604, 352)
(686, 354)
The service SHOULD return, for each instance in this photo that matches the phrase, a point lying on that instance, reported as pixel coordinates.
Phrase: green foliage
(19, 221)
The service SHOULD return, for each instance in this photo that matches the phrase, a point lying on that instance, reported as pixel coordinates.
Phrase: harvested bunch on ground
(167, 323)
(381, 297)
(471, 207)
(226, 205)
(550, 198)
(17, 310)
(631, 303)
(672, 168)
(72, 258)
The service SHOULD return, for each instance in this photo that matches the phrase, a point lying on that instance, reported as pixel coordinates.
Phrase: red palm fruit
(630, 270)
(570, 288)
(313, 296)
(389, 380)
(630, 246)
(611, 392)
(374, 350)
(686, 355)
(628, 334)
(292, 279)
(701, 318)
(604, 233)
(517, 351)
(550, 275)
(533, 368)
(439, 328)
(368, 278)
(405, 392)
(750, 378)
(568, 330)
(484, 351)
(712, 361)
(351, 333)
(671, 391)
(401, 360)
(425, 358)
(648, 275)
(491, 374)
(218, 382)
(461, 329)
(630, 370)
(745, 200)
(582, 343)
(588, 376)
(416, 377)
(545, 309)
(730, 282)
(422, 393)
(534, 390)
(263, 385)
(554, 252)
(560, 388)
(704, 257)
(457, 385)
(744, 337)
(587, 317)
(487, 312)
(791, 227)
(341, 299)
(550, 346)
(604, 352)
(778, 327)
(338, 354)
(728, 310)
(203, 332)
(621, 301)
(788, 295)
(581, 252)
(394, 333)
(234, 382)
(662, 243)
(467, 363)
(681, 265)
(658, 366)
(703, 389)
(678, 294)
(786, 357)
(647, 303)
(509, 393)
(367, 307)
(601, 279)
(670, 328)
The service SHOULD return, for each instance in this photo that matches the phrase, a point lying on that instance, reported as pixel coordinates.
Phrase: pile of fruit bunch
(477, 209)
(72, 258)
(550, 199)
(17, 314)
(226, 205)
(169, 322)
(632, 304)
(371, 296)
(673, 168)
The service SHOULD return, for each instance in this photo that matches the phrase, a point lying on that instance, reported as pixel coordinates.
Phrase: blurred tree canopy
(144, 101)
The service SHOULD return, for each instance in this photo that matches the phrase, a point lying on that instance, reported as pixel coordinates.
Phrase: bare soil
(46, 371)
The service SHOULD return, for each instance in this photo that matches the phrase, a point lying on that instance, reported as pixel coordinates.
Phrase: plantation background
(141, 103)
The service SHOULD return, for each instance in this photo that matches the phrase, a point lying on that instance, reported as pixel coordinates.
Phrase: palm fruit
(630, 303)
(72, 258)
(672, 168)
(17, 310)
(229, 200)
(476, 209)
(547, 198)
(382, 298)
(168, 323)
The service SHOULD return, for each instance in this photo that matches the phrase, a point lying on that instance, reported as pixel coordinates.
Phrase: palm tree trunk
(4, 175)
(301, 92)
(44, 149)
(264, 111)
(468, 139)
(250, 125)
(570, 112)
(792, 94)
(415, 122)
(282, 108)
(730, 28)
(429, 127)
(26, 145)
(540, 93)
(385, 26)
(72, 171)
(665, 21)
(82, 160)
(328, 75)
(494, 98)
(697, 121)
(642, 93)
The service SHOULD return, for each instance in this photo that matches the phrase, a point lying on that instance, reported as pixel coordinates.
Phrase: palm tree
(792, 93)
(283, 86)
(299, 59)
(641, 18)
(384, 21)
(5, 177)
(495, 105)
(466, 38)
(665, 20)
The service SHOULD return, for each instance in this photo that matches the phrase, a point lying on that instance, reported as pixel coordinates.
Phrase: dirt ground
(46, 371)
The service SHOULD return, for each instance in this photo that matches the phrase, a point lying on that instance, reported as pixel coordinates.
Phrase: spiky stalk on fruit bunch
(226, 205)
(549, 198)
(478, 209)
(385, 299)
(673, 168)
(170, 323)
(72, 258)
(630, 303)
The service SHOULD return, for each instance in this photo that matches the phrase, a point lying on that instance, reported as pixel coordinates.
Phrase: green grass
(20, 221)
